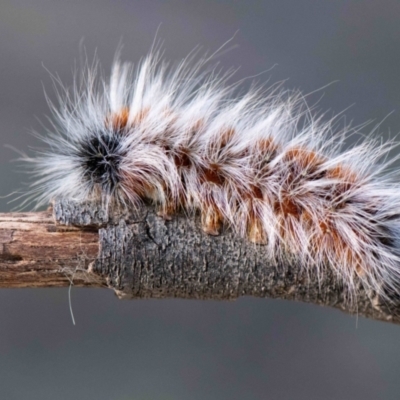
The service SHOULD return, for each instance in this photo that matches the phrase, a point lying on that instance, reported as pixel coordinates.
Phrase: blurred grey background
(248, 349)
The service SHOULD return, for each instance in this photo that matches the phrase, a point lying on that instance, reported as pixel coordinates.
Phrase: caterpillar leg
(164, 215)
(211, 221)
(255, 231)
(167, 211)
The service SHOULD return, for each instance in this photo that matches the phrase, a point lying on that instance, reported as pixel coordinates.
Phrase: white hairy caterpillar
(261, 164)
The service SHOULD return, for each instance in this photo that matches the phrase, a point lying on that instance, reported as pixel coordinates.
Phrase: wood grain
(35, 252)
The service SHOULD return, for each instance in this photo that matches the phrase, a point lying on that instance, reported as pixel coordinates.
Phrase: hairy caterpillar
(260, 163)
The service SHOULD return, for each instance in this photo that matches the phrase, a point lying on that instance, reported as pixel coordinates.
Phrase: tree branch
(140, 255)
(36, 252)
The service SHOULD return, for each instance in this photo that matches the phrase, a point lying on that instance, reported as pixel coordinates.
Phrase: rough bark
(140, 255)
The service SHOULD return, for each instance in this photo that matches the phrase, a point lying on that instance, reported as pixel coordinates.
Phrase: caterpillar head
(100, 156)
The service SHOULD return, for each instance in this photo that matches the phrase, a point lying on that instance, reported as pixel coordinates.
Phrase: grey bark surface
(143, 256)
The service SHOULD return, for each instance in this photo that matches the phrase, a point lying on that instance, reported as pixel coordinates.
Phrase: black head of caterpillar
(100, 156)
